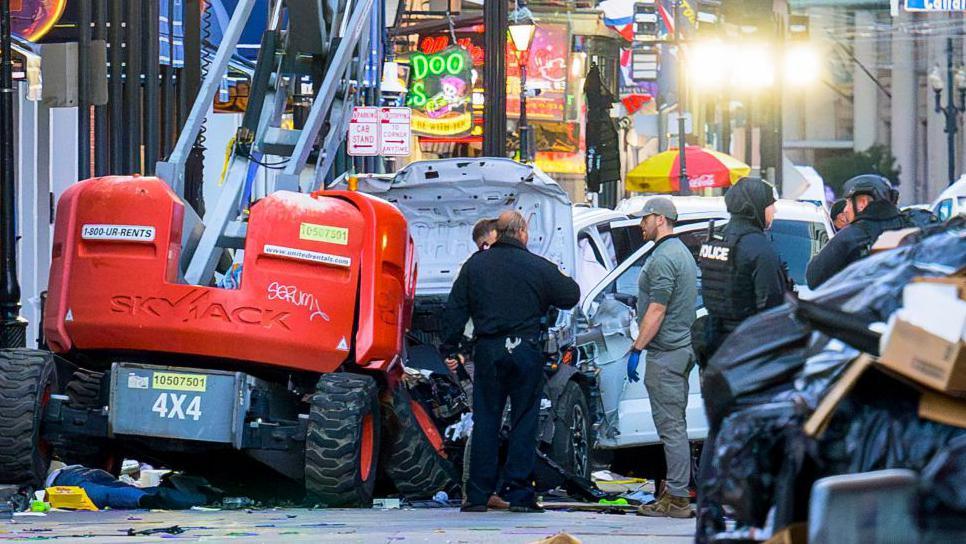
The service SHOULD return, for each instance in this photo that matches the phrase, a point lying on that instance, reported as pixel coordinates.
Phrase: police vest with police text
(727, 295)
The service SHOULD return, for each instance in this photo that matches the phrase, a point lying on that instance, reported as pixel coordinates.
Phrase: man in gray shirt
(666, 307)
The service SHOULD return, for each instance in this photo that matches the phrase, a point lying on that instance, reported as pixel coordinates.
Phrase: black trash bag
(757, 452)
(841, 325)
(760, 357)
(825, 361)
(871, 288)
(943, 485)
(877, 426)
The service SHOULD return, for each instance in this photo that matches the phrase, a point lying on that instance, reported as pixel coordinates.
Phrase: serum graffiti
(296, 297)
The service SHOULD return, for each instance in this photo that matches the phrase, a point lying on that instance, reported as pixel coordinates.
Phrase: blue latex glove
(632, 362)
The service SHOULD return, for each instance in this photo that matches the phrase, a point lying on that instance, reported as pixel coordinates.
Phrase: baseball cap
(660, 206)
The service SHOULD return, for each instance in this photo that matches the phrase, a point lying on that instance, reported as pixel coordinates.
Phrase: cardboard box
(892, 239)
(926, 358)
(958, 281)
(818, 421)
(943, 409)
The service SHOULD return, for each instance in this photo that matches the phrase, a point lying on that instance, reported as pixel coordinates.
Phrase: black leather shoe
(473, 508)
(527, 508)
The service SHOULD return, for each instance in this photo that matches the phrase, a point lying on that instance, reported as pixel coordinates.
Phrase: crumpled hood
(443, 199)
(748, 198)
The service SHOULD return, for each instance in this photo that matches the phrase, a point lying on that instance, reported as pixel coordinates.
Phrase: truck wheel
(342, 441)
(26, 382)
(84, 391)
(573, 442)
(415, 459)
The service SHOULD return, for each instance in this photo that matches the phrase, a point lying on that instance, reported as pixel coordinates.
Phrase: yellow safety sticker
(179, 382)
(324, 233)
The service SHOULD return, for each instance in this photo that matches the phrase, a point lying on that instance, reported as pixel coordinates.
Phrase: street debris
(172, 530)
(386, 504)
(856, 380)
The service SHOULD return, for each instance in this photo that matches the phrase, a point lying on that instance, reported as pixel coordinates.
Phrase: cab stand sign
(380, 131)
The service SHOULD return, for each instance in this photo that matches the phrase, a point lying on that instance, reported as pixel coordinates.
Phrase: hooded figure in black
(741, 273)
(871, 210)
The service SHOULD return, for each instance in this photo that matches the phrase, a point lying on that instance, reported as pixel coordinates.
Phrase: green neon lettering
(418, 95)
(420, 65)
(455, 68)
(436, 65)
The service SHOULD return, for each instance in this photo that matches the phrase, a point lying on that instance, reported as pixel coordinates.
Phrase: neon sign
(440, 90)
(434, 44)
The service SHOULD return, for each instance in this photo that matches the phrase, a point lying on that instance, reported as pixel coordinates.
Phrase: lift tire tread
(84, 391)
(25, 376)
(84, 388)
(333, 475)
(412, 463)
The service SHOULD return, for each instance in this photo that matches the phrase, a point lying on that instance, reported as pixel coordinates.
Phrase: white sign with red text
(396, 131)
(363, 132)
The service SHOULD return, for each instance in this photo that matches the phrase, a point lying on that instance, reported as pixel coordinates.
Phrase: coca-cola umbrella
(705, 169)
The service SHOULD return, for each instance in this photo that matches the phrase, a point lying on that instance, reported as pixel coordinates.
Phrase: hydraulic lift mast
(302, 42)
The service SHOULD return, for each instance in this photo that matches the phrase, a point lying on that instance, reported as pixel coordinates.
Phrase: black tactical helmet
(874, 185)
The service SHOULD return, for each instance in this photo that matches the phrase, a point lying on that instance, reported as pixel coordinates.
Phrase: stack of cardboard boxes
(924, 345)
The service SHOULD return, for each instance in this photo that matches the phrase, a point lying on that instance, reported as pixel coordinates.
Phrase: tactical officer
(741, 273)
(507, 291)
(840, 219)
(871, 209)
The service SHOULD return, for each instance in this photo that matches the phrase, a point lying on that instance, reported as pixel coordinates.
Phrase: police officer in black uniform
(870, 207)
(741, 273)
(507, 291)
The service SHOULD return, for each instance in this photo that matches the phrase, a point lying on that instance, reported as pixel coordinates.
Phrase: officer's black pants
(500, 373)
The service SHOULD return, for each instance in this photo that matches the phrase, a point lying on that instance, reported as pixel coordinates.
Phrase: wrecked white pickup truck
(590, 409)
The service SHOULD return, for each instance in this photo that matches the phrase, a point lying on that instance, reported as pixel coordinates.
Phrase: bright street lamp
(521, 34)
(521, 29)
(803, 65)
(709, 64)
(750, 65)
(753, 66)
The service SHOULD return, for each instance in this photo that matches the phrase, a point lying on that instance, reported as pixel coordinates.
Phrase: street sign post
(380, 131)
(395, 132)
(363, 138)
(932, 5)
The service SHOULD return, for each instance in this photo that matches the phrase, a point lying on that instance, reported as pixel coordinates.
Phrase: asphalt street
(342, 526)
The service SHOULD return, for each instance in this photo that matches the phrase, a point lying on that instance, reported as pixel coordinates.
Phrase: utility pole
(951, 112)
(494, 78)
(684, 185)
(13, 328)
(524, 127)
(84, 17)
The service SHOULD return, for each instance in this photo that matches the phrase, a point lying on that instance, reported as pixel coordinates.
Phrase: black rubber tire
(333, 444)
(410, 459)
(26, 379)
(573, 440)
(84, 391)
